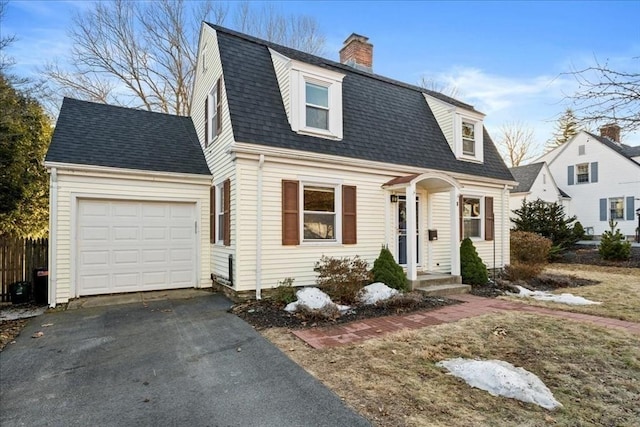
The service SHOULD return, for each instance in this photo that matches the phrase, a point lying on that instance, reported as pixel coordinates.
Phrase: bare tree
(608, 95)
(143, 54)
(437, 86)
(516, 143)
(5, 40)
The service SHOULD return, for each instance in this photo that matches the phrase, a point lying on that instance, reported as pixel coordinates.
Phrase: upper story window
(315, 101)
(468, 136)
(213, 113)
(582, 173)
(317, 106)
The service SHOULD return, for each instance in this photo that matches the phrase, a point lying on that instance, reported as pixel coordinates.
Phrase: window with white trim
(319, 219)
(472, 217)
(316, 101)
(469, 137)
(616, 208)
(582, 173)
(220, 213)
(316, 106)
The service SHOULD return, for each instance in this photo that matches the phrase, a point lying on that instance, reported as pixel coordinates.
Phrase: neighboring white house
(303, 157)
(535, 181)
(602, 177)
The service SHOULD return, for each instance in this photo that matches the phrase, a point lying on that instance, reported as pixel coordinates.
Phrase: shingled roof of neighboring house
(525, 175)
(94, 134)
(624, 149)
(383, 120)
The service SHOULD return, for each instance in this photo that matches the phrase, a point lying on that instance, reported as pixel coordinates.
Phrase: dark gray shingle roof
(383, 120)
(88, 133)
(525, 175)
(626, 150)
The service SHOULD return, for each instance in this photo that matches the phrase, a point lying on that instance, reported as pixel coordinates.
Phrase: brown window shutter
(206, 122)
(219, 106)
(290, 212)
(212, 214)
(489, 220)
(226, 188)
(460, 208)
(349, 225)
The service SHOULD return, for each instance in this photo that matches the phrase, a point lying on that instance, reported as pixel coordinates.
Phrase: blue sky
(505, 58)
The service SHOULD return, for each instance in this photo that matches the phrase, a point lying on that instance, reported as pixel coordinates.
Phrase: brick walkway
(472, 306)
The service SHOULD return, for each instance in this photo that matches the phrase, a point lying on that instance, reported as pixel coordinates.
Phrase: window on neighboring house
(616, 208)
(319, 221)
(213, 113)
(468, 138)
(582, 173)
(471, 217)
(317, 106)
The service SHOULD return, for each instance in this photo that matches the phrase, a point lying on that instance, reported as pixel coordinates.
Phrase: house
(535, 182)
(303, 157)
(602, 177)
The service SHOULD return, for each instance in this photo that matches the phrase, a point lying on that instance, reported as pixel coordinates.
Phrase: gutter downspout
(504, 192)
(53, 236)
(259, 230)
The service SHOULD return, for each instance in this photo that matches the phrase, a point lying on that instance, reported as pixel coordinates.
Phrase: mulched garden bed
(544, 282)
(266, 313)
(580, 254)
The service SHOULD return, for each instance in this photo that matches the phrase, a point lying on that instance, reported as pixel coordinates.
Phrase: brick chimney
(357, 52)
(611, 131)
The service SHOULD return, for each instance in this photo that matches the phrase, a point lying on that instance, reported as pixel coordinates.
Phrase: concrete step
(445, 290)
(434, 279)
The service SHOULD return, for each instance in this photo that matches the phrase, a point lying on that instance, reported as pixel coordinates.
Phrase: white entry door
(128, 246)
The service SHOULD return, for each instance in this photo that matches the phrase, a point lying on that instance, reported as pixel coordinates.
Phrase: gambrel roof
(383, 120)
(94, 134)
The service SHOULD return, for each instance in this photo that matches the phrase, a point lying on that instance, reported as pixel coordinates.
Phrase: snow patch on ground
(313, 298)
(501, 378)
(548, 296)
(17, 312)
(375, 292)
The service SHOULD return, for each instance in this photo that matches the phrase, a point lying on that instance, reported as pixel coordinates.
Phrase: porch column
(454, 194)
(412, 270)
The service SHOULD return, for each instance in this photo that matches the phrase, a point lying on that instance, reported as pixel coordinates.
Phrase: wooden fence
(18, 258)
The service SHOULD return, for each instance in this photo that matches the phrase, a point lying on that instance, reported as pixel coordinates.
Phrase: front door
(402, 230)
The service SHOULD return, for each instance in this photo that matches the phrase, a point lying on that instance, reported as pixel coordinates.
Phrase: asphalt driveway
(163, 363)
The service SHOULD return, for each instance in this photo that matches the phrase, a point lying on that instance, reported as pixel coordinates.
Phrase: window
(319, 221)
(220, 213)
(581, 150)
(616, 208)
(468, 138)
(317, 106)
(471, 217)
(213, 113)
(582, 173)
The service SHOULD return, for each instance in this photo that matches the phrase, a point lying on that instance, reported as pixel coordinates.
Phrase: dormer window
(317, 106)
(468, 137)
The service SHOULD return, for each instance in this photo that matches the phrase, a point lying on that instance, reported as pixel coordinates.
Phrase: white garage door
(127, 246)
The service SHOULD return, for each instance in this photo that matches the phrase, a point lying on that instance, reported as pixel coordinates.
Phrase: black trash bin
(41, 285)
(20, 292)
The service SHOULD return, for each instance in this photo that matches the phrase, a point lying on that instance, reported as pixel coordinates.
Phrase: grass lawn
(393, 381)
(619, 291)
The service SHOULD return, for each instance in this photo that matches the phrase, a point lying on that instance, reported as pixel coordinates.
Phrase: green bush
(548, 220)
(342, 278)
(578, 231)
(285, 292)
(386, 270)
(474, 272)
(613, 246)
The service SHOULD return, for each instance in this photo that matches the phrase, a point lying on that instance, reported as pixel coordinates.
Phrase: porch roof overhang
(434, 181)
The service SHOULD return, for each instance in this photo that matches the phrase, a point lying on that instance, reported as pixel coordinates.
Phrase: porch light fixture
(394, 198)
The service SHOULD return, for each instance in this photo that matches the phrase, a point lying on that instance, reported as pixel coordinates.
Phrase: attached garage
(129, 203)
(127, 246)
